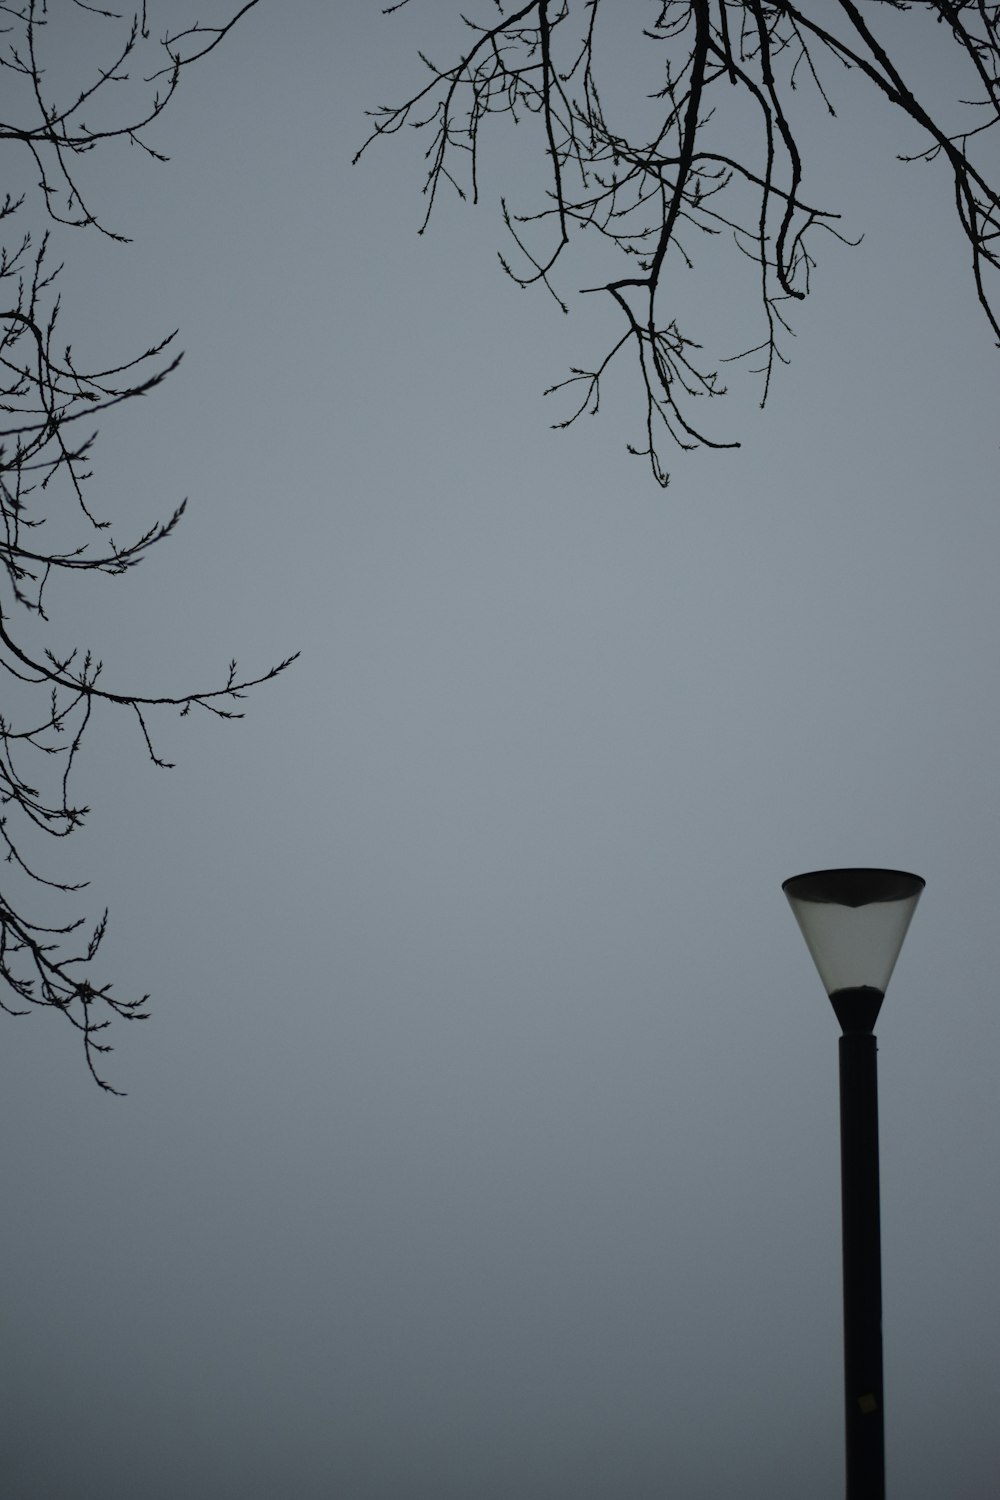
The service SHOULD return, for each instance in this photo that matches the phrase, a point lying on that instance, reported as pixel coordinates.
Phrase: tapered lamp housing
(854, 923)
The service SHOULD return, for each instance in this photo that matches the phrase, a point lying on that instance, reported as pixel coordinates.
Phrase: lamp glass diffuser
(854, 923)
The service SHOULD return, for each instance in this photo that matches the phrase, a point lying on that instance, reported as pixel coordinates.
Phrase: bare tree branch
(46, 393)
(695, 168)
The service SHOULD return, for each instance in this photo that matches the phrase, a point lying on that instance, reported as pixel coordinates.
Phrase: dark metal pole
(854, 922)
(862, 1265)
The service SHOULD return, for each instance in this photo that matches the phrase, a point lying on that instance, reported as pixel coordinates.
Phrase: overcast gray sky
(484, 1142)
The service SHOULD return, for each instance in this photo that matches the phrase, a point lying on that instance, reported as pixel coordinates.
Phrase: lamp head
(854, 922)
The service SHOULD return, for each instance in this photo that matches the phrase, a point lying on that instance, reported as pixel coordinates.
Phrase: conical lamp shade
(854, 923)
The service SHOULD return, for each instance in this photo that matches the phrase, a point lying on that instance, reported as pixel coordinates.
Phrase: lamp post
(854, 923)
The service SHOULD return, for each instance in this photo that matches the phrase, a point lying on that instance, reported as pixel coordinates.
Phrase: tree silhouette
(49, 399)
(719, 152)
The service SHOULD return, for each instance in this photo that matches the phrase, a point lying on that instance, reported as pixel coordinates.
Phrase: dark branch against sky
(721, 151)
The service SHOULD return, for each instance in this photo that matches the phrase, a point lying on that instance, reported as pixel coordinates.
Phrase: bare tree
(49, 398)
(717, 153)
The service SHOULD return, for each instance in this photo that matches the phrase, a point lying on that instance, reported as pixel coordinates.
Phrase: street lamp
(854, 923)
